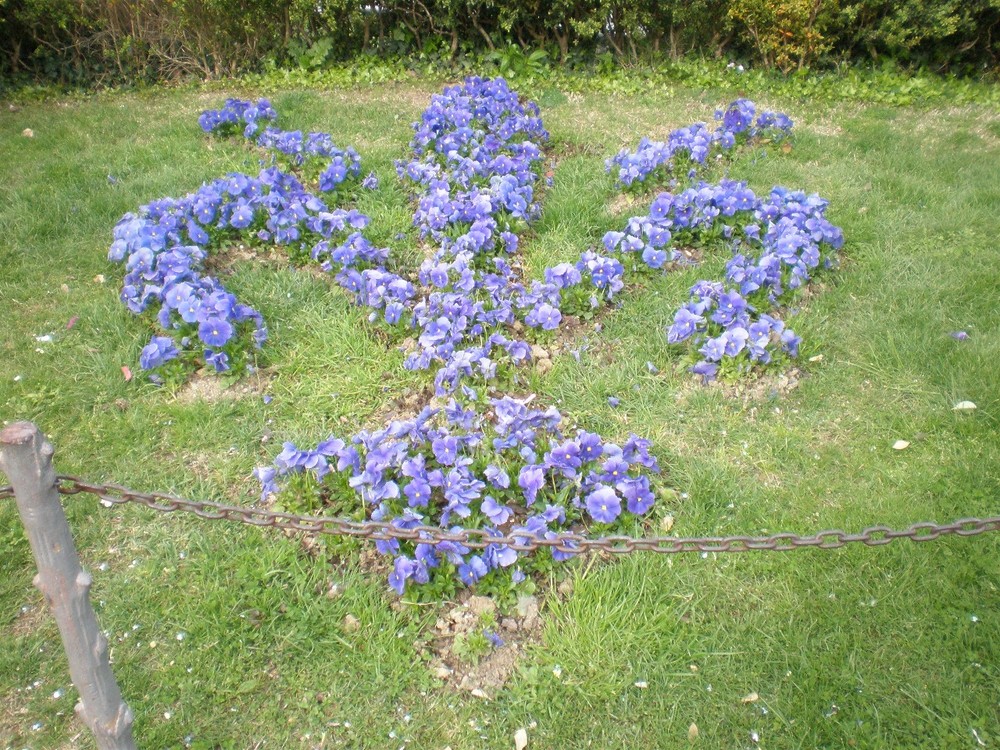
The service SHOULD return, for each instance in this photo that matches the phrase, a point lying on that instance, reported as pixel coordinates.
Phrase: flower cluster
(476, 152)
(467, 319)
(511, 473)
(237, 116)
(492, 463)
(165, 245)
(313, 155)
(502, 466)
(778, 243)
(498, 464)
(655, 162)
(728, 328)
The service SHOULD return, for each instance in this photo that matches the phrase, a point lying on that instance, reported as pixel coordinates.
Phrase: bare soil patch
(769, 385)
(223, 261)
(622, 203)
(479, 615)
(206, 387)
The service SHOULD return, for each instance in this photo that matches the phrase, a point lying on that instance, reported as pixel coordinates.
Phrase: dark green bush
(107, 41)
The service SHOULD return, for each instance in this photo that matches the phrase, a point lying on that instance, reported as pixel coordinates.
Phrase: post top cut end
(19, 433)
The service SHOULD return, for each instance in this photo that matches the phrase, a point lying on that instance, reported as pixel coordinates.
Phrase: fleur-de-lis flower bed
(475, 457)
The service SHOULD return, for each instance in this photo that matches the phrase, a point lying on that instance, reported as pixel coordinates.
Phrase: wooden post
(26, 458)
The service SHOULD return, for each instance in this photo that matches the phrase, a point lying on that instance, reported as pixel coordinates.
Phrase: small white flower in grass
(181, 636)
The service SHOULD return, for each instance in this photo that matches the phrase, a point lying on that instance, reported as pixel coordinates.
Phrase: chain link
(873, 536)
(6, 492)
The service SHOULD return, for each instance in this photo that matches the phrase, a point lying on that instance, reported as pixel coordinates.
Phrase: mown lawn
(222, 636)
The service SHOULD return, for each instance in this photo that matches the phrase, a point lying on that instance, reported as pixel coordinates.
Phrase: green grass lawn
(222, 636)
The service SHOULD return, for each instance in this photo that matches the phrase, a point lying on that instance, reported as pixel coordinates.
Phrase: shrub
(787, 34)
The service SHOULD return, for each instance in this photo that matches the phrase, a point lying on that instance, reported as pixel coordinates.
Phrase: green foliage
(939, 32)
(471, 647)
(884, 85)
(79, 42)
(787, 34)
(513, 63)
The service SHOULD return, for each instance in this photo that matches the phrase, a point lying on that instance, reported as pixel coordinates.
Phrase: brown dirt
(755, 387)
(204, 386)
(622, 203)
(568, 149)
(693, 255)
(30, 618)
(830, 130)
(492, 672)
(405, 406)
(222, 261)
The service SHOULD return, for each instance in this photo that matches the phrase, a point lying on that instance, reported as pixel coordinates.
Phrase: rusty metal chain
(873, 536)
(6, 492)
